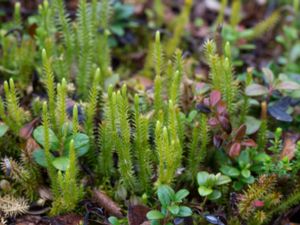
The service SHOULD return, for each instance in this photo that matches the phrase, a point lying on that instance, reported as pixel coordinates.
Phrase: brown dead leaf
(107, 203)
(69, 219)
(31, 145)
(26, 131)
(289, 146)
(137, 214)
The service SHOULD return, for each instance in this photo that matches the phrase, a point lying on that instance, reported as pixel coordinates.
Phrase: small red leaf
(215, 97)
(217, 140)
(206, 102)
(225, 124)
(289, 146)
(213, 121)
(26, 131)
(221, 107)
(235, 149)
(249, 143)
(240, 133)
(258, 203)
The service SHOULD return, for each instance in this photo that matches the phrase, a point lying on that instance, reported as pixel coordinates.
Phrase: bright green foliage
(48, 155)
(208, 184)
(70, 192)
(179, 26)
(141, 146)
(267, 24)
(166, 150)
(50, 86)
(64, 25)
(85, 41)
(171, 206)
(220, 18)
(75, 123)
(61, 106)
(17, 15)
(158, 55)
(158, 101)
(14, 115)
(123, 146)
(176, 78)
(173, 134)
(104, 51)
(107, 132)
(198, 146)
(235, 12)
(221, 74)
(91, 109)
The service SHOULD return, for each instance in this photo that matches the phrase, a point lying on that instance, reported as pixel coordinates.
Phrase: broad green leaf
(39, 157)
(252, 124)
(204, 191)
(155, 215)
(214, 195)
(3, 129)
(256, 90)
(81, 144)
(185, 211)
(230, 171)
(223, 180)
(246, 173)
(38, 135)
(174, 209)
(202, 177)
(244, 159)
(181, 194)
(61, 163)
(113, 220)
(165, 194)
(248, 180)
(237, 185)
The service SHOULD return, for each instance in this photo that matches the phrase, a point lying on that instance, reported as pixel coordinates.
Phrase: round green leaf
(185, 211)
(204, 191)
(113, 220)
(155, 215)
(181, 194)
(39, 157)
(165, 194)
(222, 180)
(3, 129)
(174, 209)
(81, 144)
(246, 173)
(214, 195)
(230, 171)
(38, 135)
(252, 124)
(202, 177)
(61, 163)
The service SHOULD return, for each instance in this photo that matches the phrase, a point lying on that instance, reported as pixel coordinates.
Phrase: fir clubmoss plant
(123, 145)
(198, 145)
(141, 146)
(13, 116)
(69, 191)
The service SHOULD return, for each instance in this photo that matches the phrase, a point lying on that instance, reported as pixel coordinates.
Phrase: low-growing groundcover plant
(77, 139)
